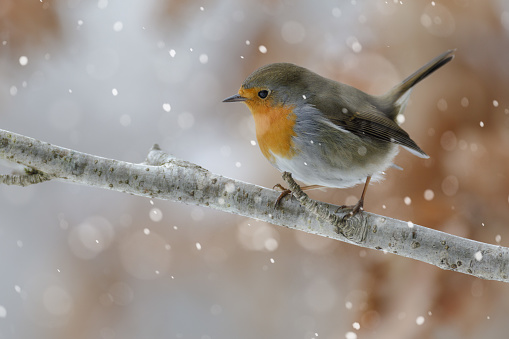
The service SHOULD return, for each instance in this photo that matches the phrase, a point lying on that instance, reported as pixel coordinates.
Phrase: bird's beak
(235, 98)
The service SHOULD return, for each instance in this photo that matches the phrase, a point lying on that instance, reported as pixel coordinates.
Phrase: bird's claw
(358, 207)
(284, 192)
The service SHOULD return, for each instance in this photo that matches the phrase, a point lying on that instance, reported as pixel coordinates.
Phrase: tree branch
(168, 178)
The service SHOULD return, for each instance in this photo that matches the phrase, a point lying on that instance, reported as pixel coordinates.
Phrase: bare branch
(168, 178)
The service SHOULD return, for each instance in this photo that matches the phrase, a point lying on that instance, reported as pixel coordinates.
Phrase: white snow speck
(272, 260)
(464, 102)
(356, 325)
(271, 244)
(442, 105)
(481, 124)
(450, 185)
(336, 12)
(13, 90)
(348, 305)
(155, 214)
(248, 42)
(262, 49)
(407, 201)
(204, 58)
(354, 44)
(166, 107)
(419, 320)
(118, 26)
(350, 335)
(400, 119)
(80, 22)
(304, 96)
(114, 91)
(23, 60)
(253, 142)
(102, 4)
(410, 224)
(198, 246)
(172, 53)
(498, 238)
(3, 312)
(448, 141)
(238, 164)
(495, 103)
(229, 187)
(146, 231)
(429, 194)
(356, 47)
(202, 8)
(478, 256)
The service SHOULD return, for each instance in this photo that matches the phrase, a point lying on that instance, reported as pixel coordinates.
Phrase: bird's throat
(274, 130)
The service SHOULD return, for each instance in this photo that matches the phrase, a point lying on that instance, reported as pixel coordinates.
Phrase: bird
(326, 133)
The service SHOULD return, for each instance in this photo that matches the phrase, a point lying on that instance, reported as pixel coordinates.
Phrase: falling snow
(118, 26)
(23, 60)
(155, 214)
(204, 58)
(262, 49)
(429, 194)
(478, 256)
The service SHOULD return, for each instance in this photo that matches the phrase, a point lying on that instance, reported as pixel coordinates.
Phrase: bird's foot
(284, 192)
(358, 207)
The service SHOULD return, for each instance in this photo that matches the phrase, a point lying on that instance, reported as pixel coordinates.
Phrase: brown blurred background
(113, 77)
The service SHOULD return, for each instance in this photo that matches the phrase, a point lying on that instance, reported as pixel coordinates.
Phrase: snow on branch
(164, 177)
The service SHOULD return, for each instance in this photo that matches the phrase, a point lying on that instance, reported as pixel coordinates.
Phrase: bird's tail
(398, 95)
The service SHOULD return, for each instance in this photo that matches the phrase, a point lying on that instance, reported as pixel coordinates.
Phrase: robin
(325, 133)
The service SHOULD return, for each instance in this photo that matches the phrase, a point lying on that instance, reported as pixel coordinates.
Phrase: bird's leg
(359, 206)
(285, 191)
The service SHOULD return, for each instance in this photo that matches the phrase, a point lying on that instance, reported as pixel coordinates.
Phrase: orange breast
(274, 129)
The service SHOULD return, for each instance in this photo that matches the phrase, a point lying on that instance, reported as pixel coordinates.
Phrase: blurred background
(111, 78)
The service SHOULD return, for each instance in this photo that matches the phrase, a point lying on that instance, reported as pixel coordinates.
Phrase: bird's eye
(263, 93)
